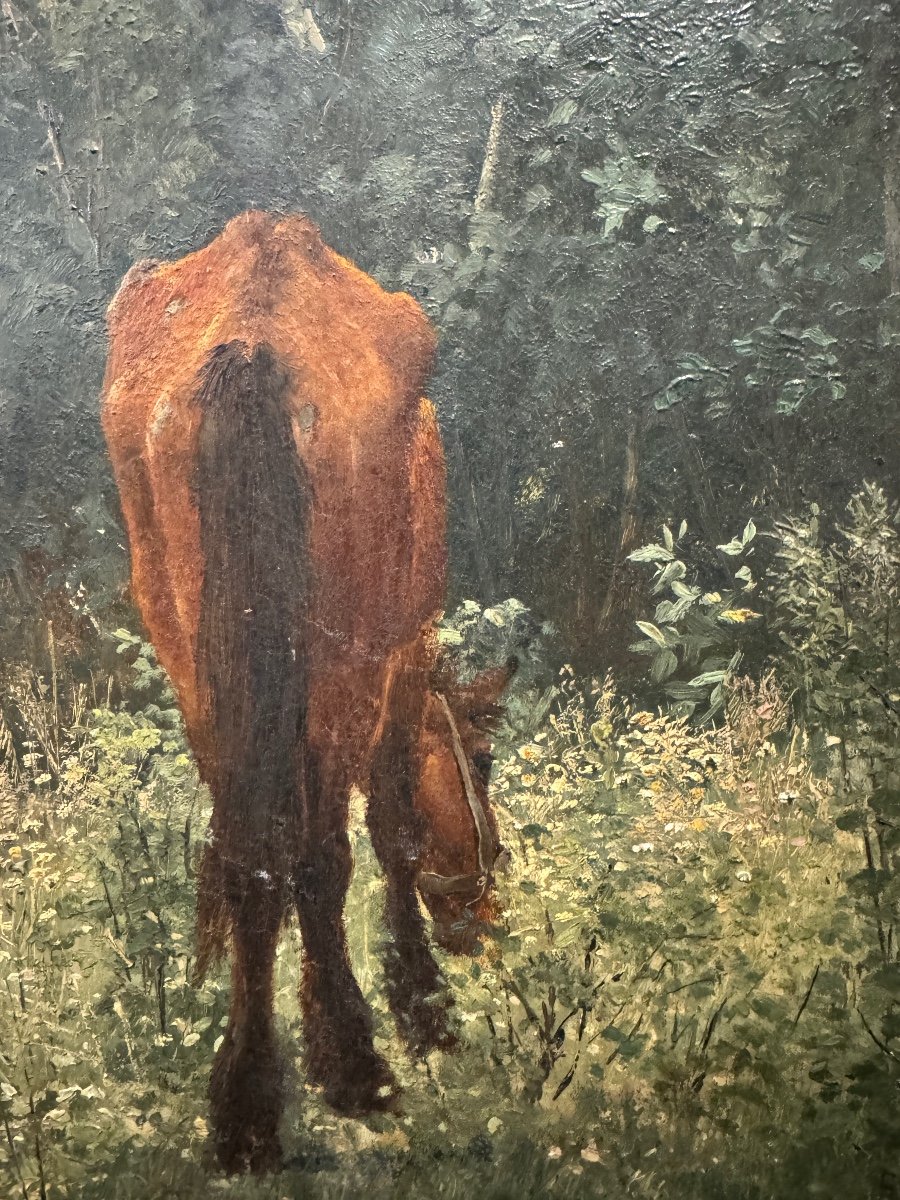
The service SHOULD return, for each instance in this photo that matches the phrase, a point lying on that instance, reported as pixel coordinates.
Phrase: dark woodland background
(661, 244)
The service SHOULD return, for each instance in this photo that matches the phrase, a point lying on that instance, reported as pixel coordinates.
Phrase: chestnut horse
(282, 483)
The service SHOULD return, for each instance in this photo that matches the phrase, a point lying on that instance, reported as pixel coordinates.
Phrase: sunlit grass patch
(672, 989)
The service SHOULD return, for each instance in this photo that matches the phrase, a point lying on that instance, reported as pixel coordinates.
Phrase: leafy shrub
(670, 990)
(837, 613)
(837, 605)
(596, 734)
(693, 640)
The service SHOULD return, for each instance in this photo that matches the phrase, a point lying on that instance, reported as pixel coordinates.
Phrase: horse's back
(355, 359)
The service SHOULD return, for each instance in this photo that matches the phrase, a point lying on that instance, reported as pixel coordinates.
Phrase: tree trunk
(627, 534)
(892, 210)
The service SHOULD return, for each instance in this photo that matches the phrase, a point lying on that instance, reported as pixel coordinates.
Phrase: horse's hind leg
(416, 989)
(337, 1020)
(246, 1084)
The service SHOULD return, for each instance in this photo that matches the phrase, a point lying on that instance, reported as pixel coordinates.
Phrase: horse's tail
(253, 499)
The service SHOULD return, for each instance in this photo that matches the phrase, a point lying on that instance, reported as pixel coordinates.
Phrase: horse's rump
(252, 494)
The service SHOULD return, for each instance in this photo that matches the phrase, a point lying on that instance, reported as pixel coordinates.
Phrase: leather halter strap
(451, 885)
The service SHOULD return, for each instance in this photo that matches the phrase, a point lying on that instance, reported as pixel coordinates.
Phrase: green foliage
(672, 986)
(694, 640)
(837, 605)
(837, 613)
(99, 834)
(622, 184)
(477, 637)
(665, 263)
(796, 365)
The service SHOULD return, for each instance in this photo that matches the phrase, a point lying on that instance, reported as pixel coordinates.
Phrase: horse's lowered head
(461, 845)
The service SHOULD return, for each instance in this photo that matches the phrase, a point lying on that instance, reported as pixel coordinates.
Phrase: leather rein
(453, 885)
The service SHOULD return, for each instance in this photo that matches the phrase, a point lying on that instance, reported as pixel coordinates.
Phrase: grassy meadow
(693, 991)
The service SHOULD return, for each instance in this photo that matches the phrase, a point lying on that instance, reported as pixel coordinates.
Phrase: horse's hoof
(425, 1026)
(245, 1104)
(358, 1099)
(355, 1085)
(241, 1153)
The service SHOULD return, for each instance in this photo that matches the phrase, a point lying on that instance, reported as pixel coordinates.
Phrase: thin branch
(38, 1153)
(710, 1028)
(15, 1157)
(567, 1078)
(628, 527)
(488, 167)
(523, 1000)
(809, 991)
(17, 20)
(346, 26)
(634, 1030)
(9, 13)
(54, 128)
(161, 996)
(53, 131)
(892, 215)
(878, 1042)
(876, 891)
(691, 983)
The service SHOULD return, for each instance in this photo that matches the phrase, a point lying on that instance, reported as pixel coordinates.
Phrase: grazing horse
(282, 483)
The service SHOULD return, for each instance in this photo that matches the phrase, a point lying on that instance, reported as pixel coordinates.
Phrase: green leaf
(663, 666)
(684, 592)
(679, 690)
(672, 570)
(707, 679)
(872, 262)
(649, 646)
(853, 818)
(818, 336)
(652, 553)
(791, 396)
(563, 112)
(652, 631)
(668, 612)
(450, 637)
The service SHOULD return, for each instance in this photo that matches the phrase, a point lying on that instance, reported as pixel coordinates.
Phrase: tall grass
(674, 1003)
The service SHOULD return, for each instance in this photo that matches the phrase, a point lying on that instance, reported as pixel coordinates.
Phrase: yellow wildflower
(738, 616)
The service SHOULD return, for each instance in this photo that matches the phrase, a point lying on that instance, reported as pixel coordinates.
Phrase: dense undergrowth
(693, 992)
